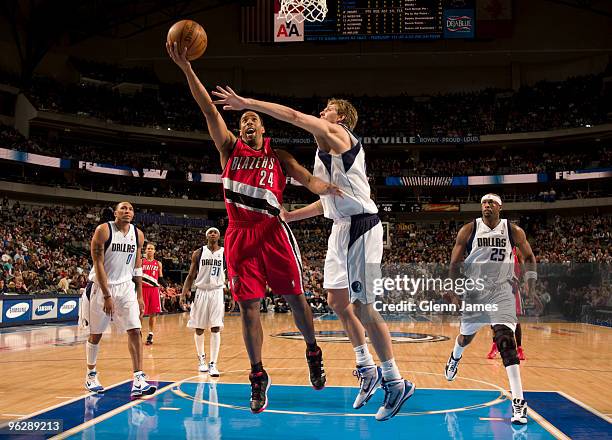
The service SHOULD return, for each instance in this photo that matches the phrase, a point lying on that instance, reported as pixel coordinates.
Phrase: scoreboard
(360, 20)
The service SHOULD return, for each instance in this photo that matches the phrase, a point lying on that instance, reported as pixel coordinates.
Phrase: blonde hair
(347, 110)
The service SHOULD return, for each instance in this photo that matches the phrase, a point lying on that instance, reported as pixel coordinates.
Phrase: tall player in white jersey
(207, 268)
(355, 245)
(114, 293)
(487, 245)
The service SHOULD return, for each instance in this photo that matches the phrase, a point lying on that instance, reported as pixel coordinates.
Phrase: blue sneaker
(92, 383)
(369, 380)
(396, 393)
(140, 387)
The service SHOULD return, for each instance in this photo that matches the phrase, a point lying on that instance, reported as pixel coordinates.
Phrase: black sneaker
(260, 384)
(315, 365)
(149, 340)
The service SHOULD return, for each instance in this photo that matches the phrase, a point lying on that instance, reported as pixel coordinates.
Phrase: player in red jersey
(260, 248)
(151, 275)
(518, 333)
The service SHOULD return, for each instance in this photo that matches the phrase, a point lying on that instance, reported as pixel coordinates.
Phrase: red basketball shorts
(262, 253)
(518, 300)
(150, 295)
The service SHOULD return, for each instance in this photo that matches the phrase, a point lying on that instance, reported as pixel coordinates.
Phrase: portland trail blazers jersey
(210, 270)
(119, 255)
(489, 253)
(253, 183)
(348, 172)
(150, 273)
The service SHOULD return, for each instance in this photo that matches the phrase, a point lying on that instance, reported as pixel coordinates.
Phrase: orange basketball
(188, 33)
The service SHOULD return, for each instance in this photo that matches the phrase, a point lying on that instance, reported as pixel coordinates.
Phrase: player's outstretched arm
(232, 101)
(312, 210)
(223, 138)
(100, 236)
(305, 177)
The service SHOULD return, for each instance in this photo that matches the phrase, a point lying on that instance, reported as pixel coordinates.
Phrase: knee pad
(504, 338)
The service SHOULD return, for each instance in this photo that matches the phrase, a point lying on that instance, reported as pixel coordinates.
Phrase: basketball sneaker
(203, 367)
(519, 412)
(260, 384)
(140, 387)
(315, 365)
(450, 371)
(521, 353)
(396, 393)
(149, 340)
(92, 383)
(369, 380)
(493, 352)
(212, 370)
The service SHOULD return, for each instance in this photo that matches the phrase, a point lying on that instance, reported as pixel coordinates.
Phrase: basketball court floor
(567, 375)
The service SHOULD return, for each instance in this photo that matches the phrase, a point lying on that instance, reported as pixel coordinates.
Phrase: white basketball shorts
(207, 310)
(126, 315)
(354, 255)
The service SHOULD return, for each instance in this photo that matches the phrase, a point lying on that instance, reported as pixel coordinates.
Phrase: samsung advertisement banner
(16, 310)
(26, 309)
(44, 309)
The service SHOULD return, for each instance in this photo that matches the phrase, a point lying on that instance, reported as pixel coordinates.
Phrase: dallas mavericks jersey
(490, 256)
(210, 273)
(348, 172)
(119, 255)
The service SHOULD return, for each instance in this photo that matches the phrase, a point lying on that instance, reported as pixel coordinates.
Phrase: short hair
(119, 203)
(150, 244)
(345, 109)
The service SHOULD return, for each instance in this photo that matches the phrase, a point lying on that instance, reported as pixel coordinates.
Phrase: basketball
(188, 33)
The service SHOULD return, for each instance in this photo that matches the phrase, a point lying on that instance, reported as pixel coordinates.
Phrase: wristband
(138, 272)
(531, 274)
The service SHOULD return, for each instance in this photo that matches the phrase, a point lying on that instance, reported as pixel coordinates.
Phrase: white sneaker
(92, 383)
(369, 381)
(140, 387)
(519, 412)
(450, 371)
(396, 393)
(212, 370)
(203, 367)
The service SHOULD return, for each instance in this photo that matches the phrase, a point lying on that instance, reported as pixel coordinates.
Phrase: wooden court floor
(45, 366)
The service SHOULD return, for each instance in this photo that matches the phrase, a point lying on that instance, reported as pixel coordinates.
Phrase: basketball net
(303, 10)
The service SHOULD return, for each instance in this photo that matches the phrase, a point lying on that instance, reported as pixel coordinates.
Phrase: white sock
(91, 351)
(458, 349)
(514, 376)
(215, 342)
(136, 373)
(92, 370)
(363, 358)
(213, 410)
(390, 370)
(151, 333)
(199, 342)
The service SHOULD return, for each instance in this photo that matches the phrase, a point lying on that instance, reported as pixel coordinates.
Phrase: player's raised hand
(180, 58)
(229, 99)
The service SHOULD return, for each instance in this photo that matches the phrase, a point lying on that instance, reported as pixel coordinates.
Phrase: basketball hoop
(303, 10)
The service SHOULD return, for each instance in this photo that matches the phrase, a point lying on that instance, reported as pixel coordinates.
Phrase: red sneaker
(521, 353)
(493, 352)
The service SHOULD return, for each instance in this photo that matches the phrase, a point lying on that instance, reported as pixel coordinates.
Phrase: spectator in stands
(3, 286)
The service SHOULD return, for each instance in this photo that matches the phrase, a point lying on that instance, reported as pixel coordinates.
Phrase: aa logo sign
(287, 30)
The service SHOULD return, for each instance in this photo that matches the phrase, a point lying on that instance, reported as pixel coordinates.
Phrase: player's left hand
(229, 99)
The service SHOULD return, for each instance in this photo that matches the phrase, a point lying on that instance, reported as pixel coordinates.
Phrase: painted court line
(82, 396)
(585, 406)
(114, 412)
